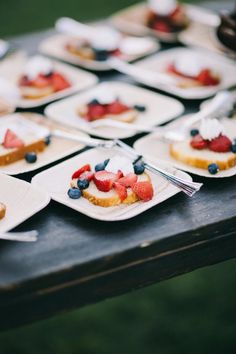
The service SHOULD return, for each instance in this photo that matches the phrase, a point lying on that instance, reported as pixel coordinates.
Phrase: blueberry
(31, 157)
(139, 168)
(213, 168)
(100, 54)
(74, 193)
(101, 166)
(82, 183)
(93, 102)
(194, 132)
(49, 74)
(233, 148)
(47, 140)
(140, 108)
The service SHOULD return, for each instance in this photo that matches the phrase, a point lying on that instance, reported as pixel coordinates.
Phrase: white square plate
(153, 148)
(22, 201)
(225, 67)
(159, 109)
(55, 47)
(11, 68)
(56, 182)
(58, 148)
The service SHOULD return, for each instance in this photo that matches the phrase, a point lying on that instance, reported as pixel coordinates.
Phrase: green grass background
(191, 314)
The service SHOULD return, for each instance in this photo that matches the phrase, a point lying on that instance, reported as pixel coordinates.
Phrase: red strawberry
(119, 174)
(59, 82)
(81, 170)
(120, 190)
(87, 175)
(198, 142)
(206, 78)
(143, 190)
(220, 144)
(12, 141)
(117, 108)
(41, 81)
(96, 111)
(104, 180)
(161, 26)
(128, 180)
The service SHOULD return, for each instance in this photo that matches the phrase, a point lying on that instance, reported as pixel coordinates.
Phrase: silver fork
(25, 236)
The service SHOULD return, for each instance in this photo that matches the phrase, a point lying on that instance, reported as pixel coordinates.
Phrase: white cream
(121, 163)
(162, 7)
(135, 46)
(210, 128)
(9, 91)
(37, 65)
(4, 46)
(106, 38)
(189, 64)
(105, 95)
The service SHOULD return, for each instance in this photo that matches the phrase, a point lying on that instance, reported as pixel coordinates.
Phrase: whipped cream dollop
(119, 162)
(9, 91)
(37, 65)
(189, 64)
(210, 128)
(105, 38)
(162, 7)
(135, 46)
(105, 95)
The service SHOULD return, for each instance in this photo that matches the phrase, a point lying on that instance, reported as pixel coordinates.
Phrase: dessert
(2, 210)
(20, 139)
(112, 182)
(193, 71)
(40, 79)
(166, 16)
(207, 147)
(9, 95)
(105, 104)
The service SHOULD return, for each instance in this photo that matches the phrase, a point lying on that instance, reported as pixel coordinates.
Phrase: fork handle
(80, 139)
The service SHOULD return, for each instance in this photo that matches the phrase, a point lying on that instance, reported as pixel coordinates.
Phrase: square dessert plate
(22, 200)
(155, 149)
(62, 175)
(11, 69)
(55, 46)
(58, 148)
(224, 67)
(159, 109)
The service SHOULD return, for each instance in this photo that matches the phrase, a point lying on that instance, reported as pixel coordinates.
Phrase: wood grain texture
(78, 261)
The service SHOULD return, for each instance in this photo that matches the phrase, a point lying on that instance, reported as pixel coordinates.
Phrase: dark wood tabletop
(78, 260)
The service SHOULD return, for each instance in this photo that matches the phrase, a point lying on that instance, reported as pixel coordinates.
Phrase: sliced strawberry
(206, 78)
(81, 170)
(41, 81)
(87, 175)
(104, 180)
(96, 111)
(143, 190)
(198, 142)
(220, 144)
(12, 141)
(128, 180)
(161, 26)
(117, 108)
(120, 190)
(59, 82)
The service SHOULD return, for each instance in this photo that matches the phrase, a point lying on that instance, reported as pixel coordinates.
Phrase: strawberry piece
(119, 174)
(120, 190)
(206, 78)
(161, 26)
(81, 170)
(128, 180)
(59, 82)
(117, 108)
(104, 180)
(143, 190)
(87, 175)
(12, 141)
(41, 81)
(220, 144)
(96, 111)
(198, 142)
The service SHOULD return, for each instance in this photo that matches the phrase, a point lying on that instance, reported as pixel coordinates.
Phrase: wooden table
(78, 261)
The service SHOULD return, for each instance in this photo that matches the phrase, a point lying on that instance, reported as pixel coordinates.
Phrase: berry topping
(93, 102)
(213, 168)
(87, 175)
(31, 157)
(139, 168)
(59, 82)
(128, 180)
(82, 183)
(194, 132)
(140, 108)
(104, 180)
(101, 55)
(101, 166)
(198, 142)
(117, 108)
(233, 148)
(143, 190)
(206, 78)
(119, 174)
(120, 190)
(162, 26)
(81, 170)
(47, 140)
(74, 193)
(96, 111)
(11, 140)
(220, 144)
